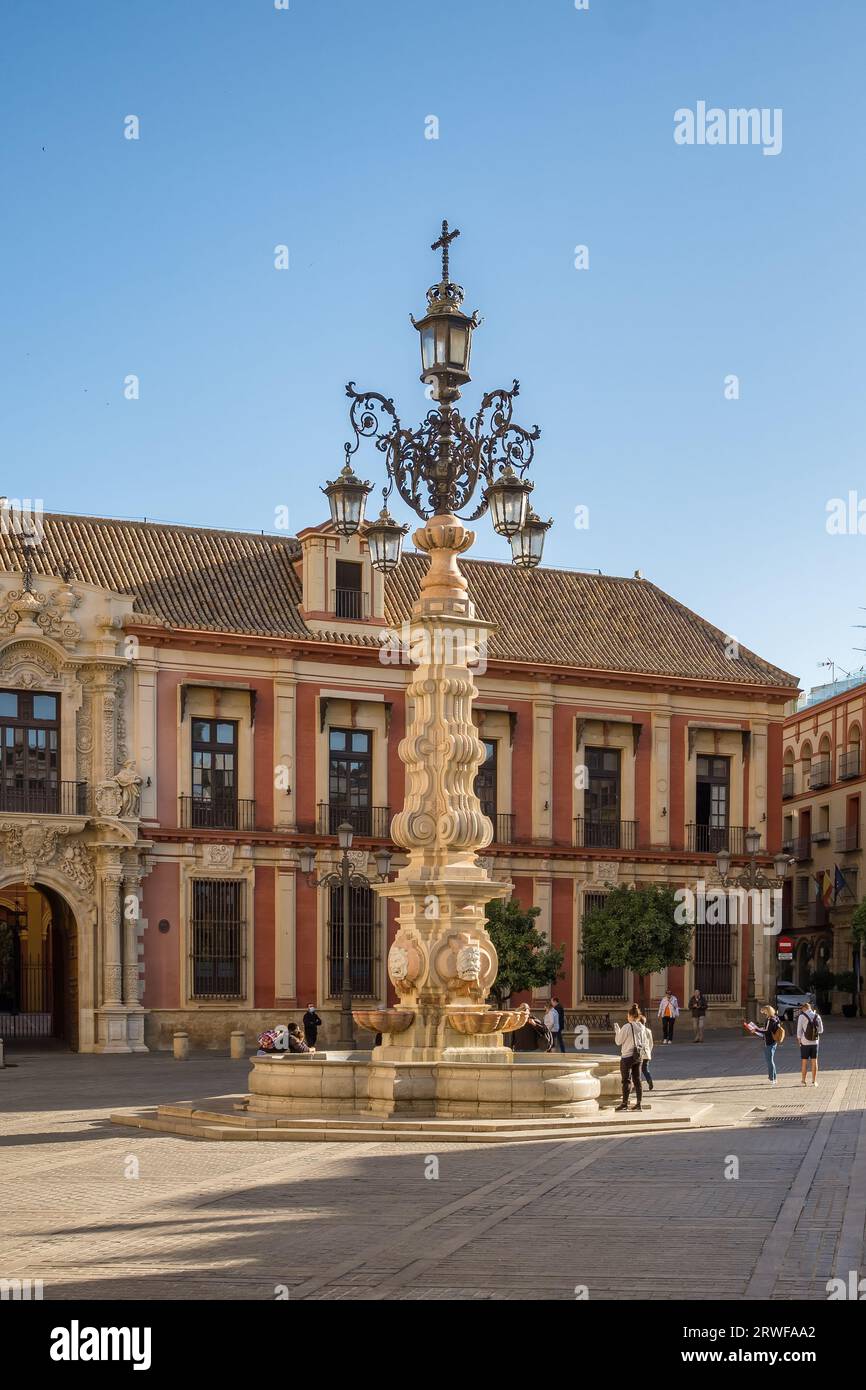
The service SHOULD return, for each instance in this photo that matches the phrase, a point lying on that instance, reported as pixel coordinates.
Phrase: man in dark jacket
(312, 1024)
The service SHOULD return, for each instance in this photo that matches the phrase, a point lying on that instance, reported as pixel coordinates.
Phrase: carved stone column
(442, 962)
(112, 993)
(131, 917)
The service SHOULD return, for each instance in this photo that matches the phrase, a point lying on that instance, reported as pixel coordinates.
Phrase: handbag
(639, 1054)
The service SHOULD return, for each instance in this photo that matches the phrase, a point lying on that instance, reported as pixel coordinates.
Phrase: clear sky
(306, 127)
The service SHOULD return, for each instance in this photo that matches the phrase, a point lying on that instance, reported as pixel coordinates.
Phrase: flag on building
(826, 887)
(840, 885)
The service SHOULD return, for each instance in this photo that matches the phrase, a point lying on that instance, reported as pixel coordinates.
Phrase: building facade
(182, 709)
(823, 810)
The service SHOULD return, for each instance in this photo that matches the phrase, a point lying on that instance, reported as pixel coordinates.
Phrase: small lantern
(385, 539)
(780, 864)
(344, 835)
(508, 500)
(383, 862)
(528, 543)
(347, 495)
(307, 859)
(753, 841)
(723, 862)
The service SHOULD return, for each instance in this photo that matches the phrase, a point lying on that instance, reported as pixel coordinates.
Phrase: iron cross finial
(444, 242)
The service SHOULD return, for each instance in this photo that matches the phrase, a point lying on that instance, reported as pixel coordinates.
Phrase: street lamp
(750, 878)
(345, 878)
(437, 467)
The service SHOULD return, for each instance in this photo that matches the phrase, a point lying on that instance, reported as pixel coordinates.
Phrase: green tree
(526, 961)
(637, 929)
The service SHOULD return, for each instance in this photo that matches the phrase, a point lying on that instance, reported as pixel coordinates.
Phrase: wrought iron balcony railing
(820, 774)
(802, 848)
(787, 785)
(503, 824)
(817, 914)
(349, 604)
(593, 833)
(848, 838)
(849, 764)
(374, 821)
(709, 839)
(217, 813)
(45, 799)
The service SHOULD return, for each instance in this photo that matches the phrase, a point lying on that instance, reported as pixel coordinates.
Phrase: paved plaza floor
(764, 1198)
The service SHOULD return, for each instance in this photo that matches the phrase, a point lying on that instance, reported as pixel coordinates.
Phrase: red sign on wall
(784, 945)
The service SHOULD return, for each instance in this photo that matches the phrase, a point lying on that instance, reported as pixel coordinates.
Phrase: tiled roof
(231, 581)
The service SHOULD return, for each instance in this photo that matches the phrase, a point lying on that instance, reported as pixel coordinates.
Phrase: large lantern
(528, 543)
(385, 538)
(446, 332)
(347, 495)
(508, 500)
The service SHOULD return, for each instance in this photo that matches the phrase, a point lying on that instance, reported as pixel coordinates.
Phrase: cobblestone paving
(99, 1212)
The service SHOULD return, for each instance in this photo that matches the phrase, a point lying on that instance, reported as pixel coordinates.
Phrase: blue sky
(306, 127)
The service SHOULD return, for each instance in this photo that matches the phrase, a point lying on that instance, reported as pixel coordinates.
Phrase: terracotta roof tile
(231, 581)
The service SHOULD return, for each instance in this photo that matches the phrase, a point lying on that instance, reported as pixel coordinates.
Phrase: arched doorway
(38, 967)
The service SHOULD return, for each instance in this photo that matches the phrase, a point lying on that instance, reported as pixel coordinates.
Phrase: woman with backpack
(773, 1033)
(810, 1026)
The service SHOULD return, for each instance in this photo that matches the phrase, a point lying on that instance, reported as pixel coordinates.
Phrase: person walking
(698, 1006)
(647, 1052)
(559, 1035)
(630, 1040)
(773, 1033)
(312, 1023)
(810, 1026)
(669, 1012)
(552, 1022)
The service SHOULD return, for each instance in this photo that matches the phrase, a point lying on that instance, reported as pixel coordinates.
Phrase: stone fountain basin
(528, 1085)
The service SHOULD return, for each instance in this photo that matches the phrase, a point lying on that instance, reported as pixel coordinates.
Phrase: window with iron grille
(715, 958)
(218, 939)
(598, 982)
(485, 778)
(363, 943)
(29, 751)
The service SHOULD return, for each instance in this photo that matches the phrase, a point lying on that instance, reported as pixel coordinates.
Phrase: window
(600, 983)
(29, 751)
(348, 597)
(363, 942)
(712, 795)
(602, 799)
(218, 939)
(801, 898)
(485, 778)
(350, 760)
(715, 957)
(214, 773)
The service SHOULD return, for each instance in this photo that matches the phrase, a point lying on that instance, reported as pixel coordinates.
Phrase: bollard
(238, 1043)
(181, 1046)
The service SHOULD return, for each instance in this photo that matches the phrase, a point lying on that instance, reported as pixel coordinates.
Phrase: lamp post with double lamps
(345, 878)
(750, 878)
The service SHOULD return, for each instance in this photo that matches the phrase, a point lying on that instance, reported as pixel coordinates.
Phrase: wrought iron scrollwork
(444, 455)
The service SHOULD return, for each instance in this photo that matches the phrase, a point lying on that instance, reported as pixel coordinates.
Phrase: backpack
(814, 1028)
(778, 1034)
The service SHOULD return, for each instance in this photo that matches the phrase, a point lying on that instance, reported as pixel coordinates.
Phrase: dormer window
(348, 597)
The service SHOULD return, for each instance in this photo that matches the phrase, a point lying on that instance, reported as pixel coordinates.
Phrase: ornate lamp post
(442, 962)
(749, 879)
(346, 877)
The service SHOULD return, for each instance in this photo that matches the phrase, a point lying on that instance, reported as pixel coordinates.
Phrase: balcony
(817, 914)
(45, 799)
(503, 825)
(848, 838)
(801, 848)
(349, 604)
(820, 837)
(373, 821)
(849, 764)
(591, 833)
(709, 839)
(820, 774)
(787, 785)
(216, 813)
